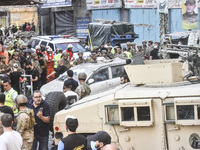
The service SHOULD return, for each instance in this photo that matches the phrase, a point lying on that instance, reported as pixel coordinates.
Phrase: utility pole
(163, 25)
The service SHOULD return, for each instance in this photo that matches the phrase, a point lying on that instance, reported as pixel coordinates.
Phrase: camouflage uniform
(90, 60)
(83, 90)
(13, 61)
(66, 63)
(3, 66)
(23, 127)
(132, 51)
(122, 55)
(79, 61)
(148, 50)
(110, 55)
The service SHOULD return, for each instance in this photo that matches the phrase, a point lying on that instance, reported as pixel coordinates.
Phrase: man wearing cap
(70, 51)
(98, 140)
(71, 96)
(3, 65)
(65, 60)
(83, 89)
(25, 122)
(50, 63)
(80, 59)
(73, 141)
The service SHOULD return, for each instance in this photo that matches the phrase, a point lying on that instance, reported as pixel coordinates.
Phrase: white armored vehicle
(157, 110)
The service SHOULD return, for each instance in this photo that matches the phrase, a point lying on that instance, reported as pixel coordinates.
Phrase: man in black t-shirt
(70, 74)
(60, 69)
(73, 140)
(154, 53)
(3, 108)
(35, 75)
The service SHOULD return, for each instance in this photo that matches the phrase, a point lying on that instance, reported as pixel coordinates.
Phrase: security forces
(83, 89)
(25, 122)
(56, 57)
(80, 59)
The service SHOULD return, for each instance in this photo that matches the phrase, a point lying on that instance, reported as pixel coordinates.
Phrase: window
(117, 71)
(112, 114)
(43, 44)
(127, 113)
(143, 113)
(51, 45)
(34, 43)
(170, 113)
(136, 112)
(198, 109)
(185, 112)
(101, 75)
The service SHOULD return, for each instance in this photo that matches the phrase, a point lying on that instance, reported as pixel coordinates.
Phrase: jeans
(43, 143)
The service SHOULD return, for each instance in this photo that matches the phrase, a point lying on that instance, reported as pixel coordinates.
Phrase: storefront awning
(18, 2)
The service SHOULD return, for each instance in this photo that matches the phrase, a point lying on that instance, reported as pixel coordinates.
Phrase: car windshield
(76, 72)
(76, 47)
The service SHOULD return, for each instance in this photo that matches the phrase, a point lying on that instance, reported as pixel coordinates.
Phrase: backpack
(30, 113)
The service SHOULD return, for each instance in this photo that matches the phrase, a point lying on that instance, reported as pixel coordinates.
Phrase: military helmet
(128, 43)
(109, 47)
(82, 76)
(95, 48)
(20, 99)
(65, 54)
(190, 2)
(104, 51)
(80, 53)
(144, 41)
(133, 43)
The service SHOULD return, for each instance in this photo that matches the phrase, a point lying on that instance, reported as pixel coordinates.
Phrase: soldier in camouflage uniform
(65, 60)
(149, 49)
(109, 53)
(133, 46)
(15, 60)
(92, 58)
(144, 46)
(130, 49)
(3, 65)
(120, 54)
(140, 50)
(36, 63)
(83, 89)
(80, 59)
(104, 55)
(25, 122)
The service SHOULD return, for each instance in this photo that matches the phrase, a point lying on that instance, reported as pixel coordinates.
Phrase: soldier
(80, 59)
(120, 54)
(56, 57)
(149, 49)
(65, 60)
(140, 50)
(144, 46)
(129, 49)
(128, 53)
(133, 45)
(92, 58)
(104, 55)
(15, 60)
(109, 53)
(83, 89)
(36, 63)
(3, 65)
(25, 122)
(96, 50)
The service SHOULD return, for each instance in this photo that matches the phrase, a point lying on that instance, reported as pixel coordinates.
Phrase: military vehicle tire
(57, 101)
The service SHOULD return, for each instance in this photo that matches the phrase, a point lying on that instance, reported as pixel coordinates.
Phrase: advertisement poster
(56, 3)
(140, 3)
(162, 6)
(103, 4)
(82, 26)
(189, 14)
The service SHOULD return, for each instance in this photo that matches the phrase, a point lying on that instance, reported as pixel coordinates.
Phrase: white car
(59, 42)
(100, 76)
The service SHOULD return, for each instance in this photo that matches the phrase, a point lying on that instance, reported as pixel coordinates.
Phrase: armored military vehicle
(157, 110)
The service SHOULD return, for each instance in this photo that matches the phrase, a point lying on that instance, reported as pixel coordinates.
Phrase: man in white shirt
(72, 96)
(10, 139)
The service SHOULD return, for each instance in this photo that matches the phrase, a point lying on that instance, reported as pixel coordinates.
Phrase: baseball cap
(71, 122)
(101, 136)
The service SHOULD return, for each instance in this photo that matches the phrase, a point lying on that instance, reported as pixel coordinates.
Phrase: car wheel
(57, 101)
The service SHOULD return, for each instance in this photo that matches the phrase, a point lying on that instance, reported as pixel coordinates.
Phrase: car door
(117, 72)
(101, 81)
(43, 44)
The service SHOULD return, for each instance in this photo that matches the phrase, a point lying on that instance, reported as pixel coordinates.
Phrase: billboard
(103, 4)
(140, 3)
(82, 26)
(189, 14)
(56, 3)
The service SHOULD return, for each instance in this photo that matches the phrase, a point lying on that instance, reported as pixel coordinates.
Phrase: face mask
(92, 145)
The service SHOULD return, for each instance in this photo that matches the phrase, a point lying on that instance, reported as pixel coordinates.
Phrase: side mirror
(90, 81)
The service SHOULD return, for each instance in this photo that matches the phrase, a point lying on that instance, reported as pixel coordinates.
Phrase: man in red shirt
(69, 50)
(50, 64)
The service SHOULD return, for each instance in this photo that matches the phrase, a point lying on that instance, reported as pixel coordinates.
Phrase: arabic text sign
(140, 3)
(103, 4)
(56, 3)
(82, 25)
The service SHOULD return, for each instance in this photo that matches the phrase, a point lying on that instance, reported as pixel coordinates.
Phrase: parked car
(59, 42)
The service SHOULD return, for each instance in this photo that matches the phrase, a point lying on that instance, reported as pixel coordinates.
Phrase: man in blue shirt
(42, 117)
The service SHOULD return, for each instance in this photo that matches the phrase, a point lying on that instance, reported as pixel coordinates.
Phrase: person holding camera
(42, 118)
